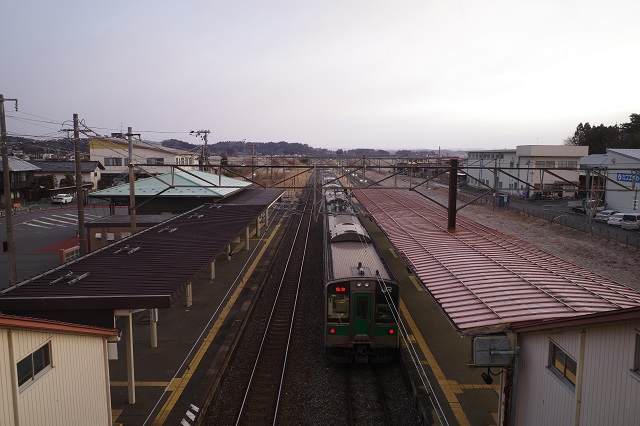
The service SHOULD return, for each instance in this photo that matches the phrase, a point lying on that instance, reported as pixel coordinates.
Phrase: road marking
(33, 224)
(444, 384)
(181, 383)
(45, 223)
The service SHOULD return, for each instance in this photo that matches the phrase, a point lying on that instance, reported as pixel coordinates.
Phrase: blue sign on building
(627, 177)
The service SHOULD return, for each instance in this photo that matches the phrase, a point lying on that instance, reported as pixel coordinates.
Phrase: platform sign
(485, 348)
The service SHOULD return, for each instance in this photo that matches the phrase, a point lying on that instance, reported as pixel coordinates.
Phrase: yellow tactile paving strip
(445, 385)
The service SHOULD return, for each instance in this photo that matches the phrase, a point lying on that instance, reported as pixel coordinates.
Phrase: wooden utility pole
(132, 183)
(8, 204)
(82, 238)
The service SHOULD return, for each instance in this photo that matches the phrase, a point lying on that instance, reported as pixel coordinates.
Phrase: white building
(53, 373)
(623, 183)
(152, 158)
(580, 371)
(527, 170)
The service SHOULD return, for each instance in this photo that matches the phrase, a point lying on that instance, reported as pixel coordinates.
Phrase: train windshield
(338, 306)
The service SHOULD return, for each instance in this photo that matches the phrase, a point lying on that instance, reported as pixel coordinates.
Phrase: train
(361, 293)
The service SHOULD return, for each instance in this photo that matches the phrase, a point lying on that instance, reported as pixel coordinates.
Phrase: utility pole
(82, 239)
(132, 183)
(204, 156)
(8, 204)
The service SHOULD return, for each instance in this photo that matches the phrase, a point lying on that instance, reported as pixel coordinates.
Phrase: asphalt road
(39, 235)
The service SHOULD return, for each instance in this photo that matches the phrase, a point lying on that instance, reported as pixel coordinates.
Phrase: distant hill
(234, 148)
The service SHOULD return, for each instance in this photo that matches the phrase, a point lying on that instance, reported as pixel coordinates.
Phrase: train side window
(338, 306)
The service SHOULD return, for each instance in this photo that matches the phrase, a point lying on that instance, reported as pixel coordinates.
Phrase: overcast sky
(332, 74)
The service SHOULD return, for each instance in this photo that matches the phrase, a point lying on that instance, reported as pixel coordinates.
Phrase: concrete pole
(131, 377)
(246, 233)
(82, 238)
(132, 183)
(213, 269)
(258, 226)
(8, 203)
(153, 328)
(189, 295)
(229, 252)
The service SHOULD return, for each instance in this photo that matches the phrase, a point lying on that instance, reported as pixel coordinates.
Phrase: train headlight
(366, 284)
(358, 284)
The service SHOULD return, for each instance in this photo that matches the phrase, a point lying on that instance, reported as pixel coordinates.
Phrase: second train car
(361, 293)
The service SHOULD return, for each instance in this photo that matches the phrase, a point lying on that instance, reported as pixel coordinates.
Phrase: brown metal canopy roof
(143, 271)
(484, 279)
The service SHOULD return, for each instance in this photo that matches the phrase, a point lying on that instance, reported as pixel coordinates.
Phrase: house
(528, 170)
(150, 158)
(54, 373)
(21, 174)
(91, 171)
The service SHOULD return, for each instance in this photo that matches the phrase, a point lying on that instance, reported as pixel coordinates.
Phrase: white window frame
(562, 375)
(35, 375)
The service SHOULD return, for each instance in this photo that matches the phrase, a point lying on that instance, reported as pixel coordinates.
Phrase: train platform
(172, 380)
(459, 391)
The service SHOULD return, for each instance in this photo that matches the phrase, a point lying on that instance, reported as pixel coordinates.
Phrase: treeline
(239, 148)
(600, 138)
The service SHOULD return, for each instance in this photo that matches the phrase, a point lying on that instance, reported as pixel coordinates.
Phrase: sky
(455, 74)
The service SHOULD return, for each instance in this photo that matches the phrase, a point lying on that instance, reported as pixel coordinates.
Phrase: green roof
(192, 184)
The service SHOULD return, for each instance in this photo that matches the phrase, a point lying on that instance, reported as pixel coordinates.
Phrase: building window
(34, 366)
(113, 161)
(155, 161)
(636, 358)
(562, 365)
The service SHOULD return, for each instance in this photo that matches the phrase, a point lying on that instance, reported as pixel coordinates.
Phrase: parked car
(62, 199)
(630, 221)
(615, 219)
(604, 215)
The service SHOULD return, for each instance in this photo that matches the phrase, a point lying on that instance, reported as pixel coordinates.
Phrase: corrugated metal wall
(6, 404)
(73, 392)
(542, 399)
(610, 391)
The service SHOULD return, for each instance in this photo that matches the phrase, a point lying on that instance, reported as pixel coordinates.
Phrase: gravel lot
(607, 258)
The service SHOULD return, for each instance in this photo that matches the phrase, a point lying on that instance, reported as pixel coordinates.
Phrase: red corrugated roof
(483, 278)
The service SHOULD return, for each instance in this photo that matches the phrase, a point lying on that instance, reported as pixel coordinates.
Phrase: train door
(362, 317)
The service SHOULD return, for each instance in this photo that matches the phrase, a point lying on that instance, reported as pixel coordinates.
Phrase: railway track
(262, 395)
(366, 396)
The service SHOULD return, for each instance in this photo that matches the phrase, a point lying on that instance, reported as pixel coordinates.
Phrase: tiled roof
(68, 166)
(179, 184)
(18, 165)
(484, 279)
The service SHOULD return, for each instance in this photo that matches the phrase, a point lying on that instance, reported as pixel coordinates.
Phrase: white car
(62, 199)
(615, 219)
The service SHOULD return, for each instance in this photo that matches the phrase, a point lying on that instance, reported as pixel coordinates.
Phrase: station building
(54, 373)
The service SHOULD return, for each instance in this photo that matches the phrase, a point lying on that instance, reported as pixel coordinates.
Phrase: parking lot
(40, 234)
